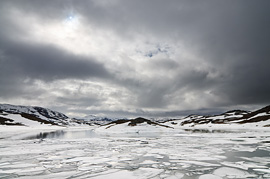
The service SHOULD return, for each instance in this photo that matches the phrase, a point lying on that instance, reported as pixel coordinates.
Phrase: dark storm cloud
(47, 63)
(26, 59)
(22, 62)
(43, 62)
(230, 38)
(79, 101)
(50, 10)
(40, 60)
(247, 84)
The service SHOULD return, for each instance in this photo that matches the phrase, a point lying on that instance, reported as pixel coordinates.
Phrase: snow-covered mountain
(137, 125)
(234, 119)
(99, 120)
(35, 116)
(259, 117)
(32, 116)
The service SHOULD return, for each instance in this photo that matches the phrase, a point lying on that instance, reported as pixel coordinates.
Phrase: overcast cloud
(130, 58)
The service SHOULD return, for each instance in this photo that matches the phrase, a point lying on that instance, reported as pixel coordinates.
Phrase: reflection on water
(210, 131)
(234, 156)
(64, 134)
(61, 134)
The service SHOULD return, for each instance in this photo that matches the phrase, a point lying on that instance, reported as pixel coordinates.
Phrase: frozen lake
(71, 153)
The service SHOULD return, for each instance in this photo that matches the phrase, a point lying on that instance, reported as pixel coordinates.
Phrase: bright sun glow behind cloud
(71, 22)
(74, 35)
(68, 34)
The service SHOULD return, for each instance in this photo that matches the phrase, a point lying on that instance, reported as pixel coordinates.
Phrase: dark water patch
(210, 131)
(237, 140)
(61, 134)
(233, 156)
(266, 142)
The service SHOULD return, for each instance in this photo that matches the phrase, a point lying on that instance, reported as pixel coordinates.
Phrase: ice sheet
(166, 155)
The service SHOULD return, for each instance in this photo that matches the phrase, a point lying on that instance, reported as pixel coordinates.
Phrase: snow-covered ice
(82, 152)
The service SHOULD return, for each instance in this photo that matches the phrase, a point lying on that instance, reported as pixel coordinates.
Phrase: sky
(135, 57)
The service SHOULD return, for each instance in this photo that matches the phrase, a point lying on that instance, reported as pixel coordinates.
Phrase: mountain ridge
(18, 115)
(34, 115)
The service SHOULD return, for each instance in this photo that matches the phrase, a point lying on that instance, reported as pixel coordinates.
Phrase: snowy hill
(235, 119)
(259, 118)
(32, 116)
(99, 120)
(36, 116)
(138, 125)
